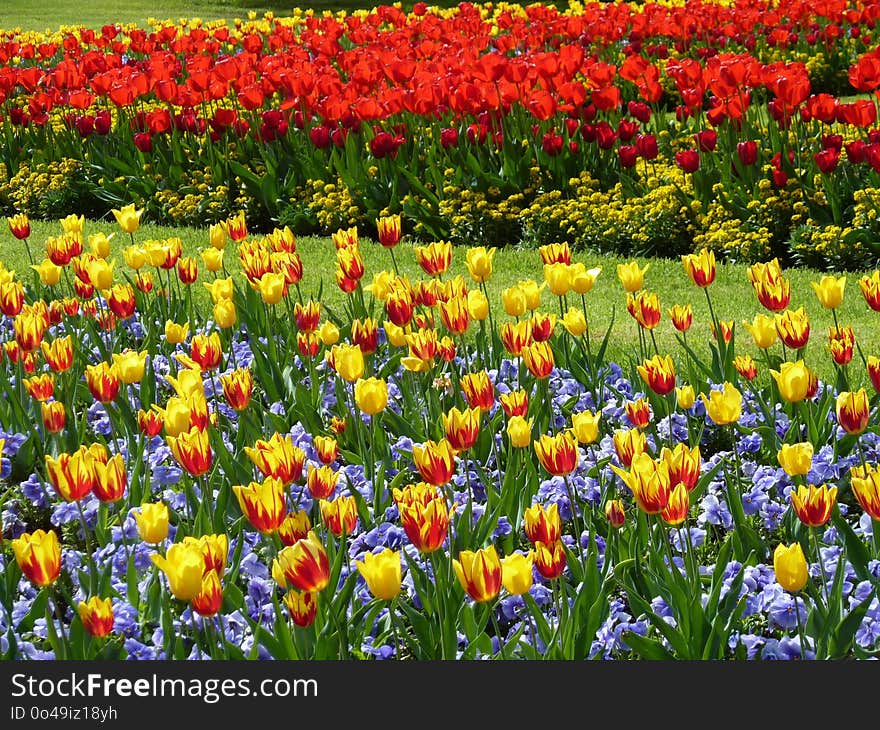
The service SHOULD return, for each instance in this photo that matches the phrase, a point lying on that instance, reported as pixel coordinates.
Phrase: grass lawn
(732, 293)
(30, 15)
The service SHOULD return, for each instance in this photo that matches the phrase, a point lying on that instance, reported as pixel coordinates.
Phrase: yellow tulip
(724, 406)
(371, 395)
(128, 218)
(479, 263)
(184, 567)
(382, 573)
(790, 567)
(829, 291)
(796, 459)
(793, 379)
(516, 573)
(631, 276)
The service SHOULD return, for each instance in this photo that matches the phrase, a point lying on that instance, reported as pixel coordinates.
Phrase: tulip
(187, 270)
(435, 461)
(424, 515)
(790, 567)
(631, 276)
(217, 236)
(550, 559)
(479, 573)
(184, 567)
(841, 341)
(152, 522)
(531, 290)
(322, 481)
(462, 427)
(683, 464)
(192, 450)
(371, 395)
(829, 291)
(175, 333)
(793, 380)
(278, 457)
(514, 300)
(866, 488)
(586, 426)
(516, 336)
(389, 230)
(538, 358)
(110, 479)
(236, 227)
(19, 226)
(348, 361)
(746, 366)
(213, 259)
(478, 305)
(723, 406)
(558, 454)
(676, 510)
(296, 525)
(121, 301)
(264, 505)
(479, 263)
(628, 444)
(210, 597)
(685, 397)
(615, 513)
(658, 374)
(796, 459)
(558, 278)
(237, 388)
(327, 448)
(574, 322)
(71, 475)
(220, 289)
(40, 387)
(516, 573)
(700, 267)
(515, 403)
(853, 411)
(644, 306)
(519, 430)
(96, 615)
(128, 218)
(304, 565)
(340, 516)
(649, 482)
(38, 555)
(542, 525)
(130, 366)
(583, 279)
(870, 286)
(214, 549)
(225, 314)
(54, 416)
(435, 257)
(793, 328)
(207, 350)
(135, 257)
(555, 253)
(813, 504)
(682, 317)
(49, 273)
(303, 607)
(381, 571)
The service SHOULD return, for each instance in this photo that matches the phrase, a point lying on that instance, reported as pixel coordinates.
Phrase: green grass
(731, 293)
(30, 15)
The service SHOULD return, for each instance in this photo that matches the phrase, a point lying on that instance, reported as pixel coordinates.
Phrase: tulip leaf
(842, 637)
(37, 609)
(856, 552)
(646, 648)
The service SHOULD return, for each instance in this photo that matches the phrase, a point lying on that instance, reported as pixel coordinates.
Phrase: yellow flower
(520, 431)
(371, 395)
(724, 406)
(793, 379)
(225, 314)
(49, 273)
(631, 276)
(382, 573)
(685, 396)
(348, 360)
(128, 218)
(479, 263)
(220, 289)
(184, 566)
(100, 244)
(586, 426)
(575, 322)
(514, 300)
(152, 522)
(135, 257)
(796, 459)
(217, 236)
(762, 330)
(130, 365)
(272, 287)
(532, 292)
(329, 333)
(829, 291)
(583, 279)
(790, 567)
(558, 278)
(478, 305)
(213, 258)
(175, 333)
(101, 274)
(516, 573)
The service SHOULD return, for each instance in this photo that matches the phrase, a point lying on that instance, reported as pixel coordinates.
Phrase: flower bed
(426, 474)
(747, 127)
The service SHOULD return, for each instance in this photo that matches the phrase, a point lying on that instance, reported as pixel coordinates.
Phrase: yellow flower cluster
(40, 190)
(333, 205)
(197, 199)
